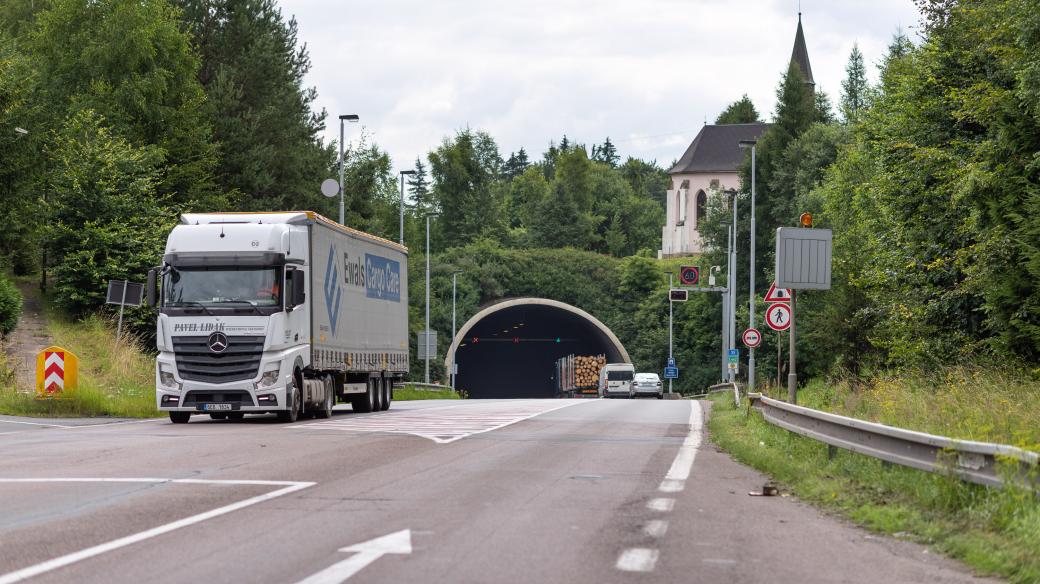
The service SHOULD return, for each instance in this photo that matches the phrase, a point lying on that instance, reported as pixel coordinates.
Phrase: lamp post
(426, 334)
(409, 173)
(453, 282)
(731, 282)
(670, 303)
(751, 292)
(343, 118)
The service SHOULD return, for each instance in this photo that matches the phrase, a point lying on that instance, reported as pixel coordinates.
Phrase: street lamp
(409, 173)
(731, 280)
(426, 336)
(453, 282)
(343, 118)
(751, 293)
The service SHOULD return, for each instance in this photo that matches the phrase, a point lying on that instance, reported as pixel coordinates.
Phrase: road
(513, 491)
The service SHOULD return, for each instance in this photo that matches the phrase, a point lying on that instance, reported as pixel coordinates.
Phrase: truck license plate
(216, 407)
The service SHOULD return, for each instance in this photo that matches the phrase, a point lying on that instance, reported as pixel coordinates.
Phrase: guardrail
(976, 462)
(426, 386)
(726, 387)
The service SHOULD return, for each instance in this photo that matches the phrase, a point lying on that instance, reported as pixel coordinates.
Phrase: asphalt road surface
(517, 491)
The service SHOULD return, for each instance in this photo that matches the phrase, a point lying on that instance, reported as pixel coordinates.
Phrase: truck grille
(235, 397)
(240, 361)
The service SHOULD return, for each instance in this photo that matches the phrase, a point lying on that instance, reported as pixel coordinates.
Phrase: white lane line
(6, 421)
(675, 480)
(59, 562)
(655, 528)
(637, 560)
(661, 504)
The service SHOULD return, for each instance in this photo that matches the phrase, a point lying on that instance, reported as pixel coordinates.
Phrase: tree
(464, 170)
(855, 91)
(516, 165)
(741, 111)
(253, 71)
(419, 187)
(130, 63)
(564, 218)
(607, 153)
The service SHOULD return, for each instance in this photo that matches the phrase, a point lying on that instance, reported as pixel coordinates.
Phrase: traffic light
(678, 295)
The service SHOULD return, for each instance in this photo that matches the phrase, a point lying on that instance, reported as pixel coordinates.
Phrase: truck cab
(615, 380)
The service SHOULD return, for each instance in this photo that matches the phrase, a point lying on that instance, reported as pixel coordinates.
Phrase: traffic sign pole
(792, 378)
(670, 358)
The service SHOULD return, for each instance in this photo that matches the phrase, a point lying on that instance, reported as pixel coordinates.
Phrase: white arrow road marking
(24, 573)
(366, 552)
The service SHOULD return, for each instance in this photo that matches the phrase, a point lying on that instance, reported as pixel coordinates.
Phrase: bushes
(10, 306)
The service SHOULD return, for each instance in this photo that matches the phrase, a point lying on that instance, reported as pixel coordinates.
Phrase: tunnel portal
(509, 349)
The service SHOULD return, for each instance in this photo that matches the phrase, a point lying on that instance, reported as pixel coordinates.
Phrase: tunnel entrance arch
(509, 349)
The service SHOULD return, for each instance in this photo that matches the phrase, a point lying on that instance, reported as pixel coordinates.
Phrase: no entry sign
(752, 338)
(778, 316)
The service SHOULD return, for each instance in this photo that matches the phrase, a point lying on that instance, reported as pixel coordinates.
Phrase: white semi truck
(277, 312)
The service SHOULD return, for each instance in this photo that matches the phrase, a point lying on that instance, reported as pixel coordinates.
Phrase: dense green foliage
(10, 305)
(741, 111)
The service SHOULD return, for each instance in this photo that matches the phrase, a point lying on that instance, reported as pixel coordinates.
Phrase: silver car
(647, 384)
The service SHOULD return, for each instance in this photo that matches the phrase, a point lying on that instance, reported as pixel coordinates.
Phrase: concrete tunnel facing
(509, 349)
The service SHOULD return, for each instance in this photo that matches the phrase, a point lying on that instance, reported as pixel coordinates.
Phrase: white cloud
(647, 73)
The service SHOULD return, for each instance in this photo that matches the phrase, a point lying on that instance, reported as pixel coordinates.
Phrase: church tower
(800, 54)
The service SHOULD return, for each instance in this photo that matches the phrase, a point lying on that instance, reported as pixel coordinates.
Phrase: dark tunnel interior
(516, 349)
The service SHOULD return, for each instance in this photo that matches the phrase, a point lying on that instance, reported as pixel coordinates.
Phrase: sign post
(803, 262)
(124, 294)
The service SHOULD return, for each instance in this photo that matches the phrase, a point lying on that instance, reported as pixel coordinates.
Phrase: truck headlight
(167, 379)
(270, 376)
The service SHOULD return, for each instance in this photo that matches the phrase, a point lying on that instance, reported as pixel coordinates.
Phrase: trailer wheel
(387, 388)
(290, 415)
(180, 417)
(325, 411)
(377, 386)
(364, 402)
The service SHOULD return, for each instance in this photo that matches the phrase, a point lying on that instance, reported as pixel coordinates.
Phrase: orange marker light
(805, 220)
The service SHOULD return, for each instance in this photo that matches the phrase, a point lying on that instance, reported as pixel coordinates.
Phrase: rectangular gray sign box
(803, 258)
(421, 343)
(134, 293)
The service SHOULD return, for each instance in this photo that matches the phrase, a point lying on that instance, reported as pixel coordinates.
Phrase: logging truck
(578, 375)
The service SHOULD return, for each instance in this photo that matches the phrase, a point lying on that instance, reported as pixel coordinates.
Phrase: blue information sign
(671, 372)
(671, 362)
(734, 355)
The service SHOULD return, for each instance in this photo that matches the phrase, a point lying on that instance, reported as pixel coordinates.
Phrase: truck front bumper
(237, 396)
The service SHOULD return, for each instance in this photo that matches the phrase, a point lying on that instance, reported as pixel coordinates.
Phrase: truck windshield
(223, 287)
(619, 375)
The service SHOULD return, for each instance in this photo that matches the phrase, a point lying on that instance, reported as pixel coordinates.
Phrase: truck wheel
(325, 411)
(291, 415)
(377, 390)
(364, 402)
(387, 388)
(180, 417)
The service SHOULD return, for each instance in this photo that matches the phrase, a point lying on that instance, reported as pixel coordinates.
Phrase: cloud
(647, 74)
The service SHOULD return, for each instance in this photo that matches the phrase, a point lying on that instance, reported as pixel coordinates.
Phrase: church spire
(800, 54)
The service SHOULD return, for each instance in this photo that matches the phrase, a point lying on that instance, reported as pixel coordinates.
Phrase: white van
(615, 380)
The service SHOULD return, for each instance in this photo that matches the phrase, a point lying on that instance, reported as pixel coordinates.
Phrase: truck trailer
(281, 313)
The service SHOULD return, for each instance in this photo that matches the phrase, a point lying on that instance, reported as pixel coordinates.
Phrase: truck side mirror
(299, 294)
(151, 295)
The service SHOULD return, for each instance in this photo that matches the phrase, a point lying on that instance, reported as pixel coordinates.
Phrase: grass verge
(995, 531)
(410, 393)
(114, 379)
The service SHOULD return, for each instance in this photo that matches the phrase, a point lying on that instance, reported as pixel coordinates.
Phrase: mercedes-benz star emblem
(217, 342)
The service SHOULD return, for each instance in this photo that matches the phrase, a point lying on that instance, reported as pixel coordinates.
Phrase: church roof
(716, 148)
(800, 54)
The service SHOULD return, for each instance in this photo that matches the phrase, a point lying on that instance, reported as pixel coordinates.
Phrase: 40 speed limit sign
(752, 338)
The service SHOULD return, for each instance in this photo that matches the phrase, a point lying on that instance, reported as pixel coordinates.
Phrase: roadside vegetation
(995, 531)
(411, 392)
(115, 379)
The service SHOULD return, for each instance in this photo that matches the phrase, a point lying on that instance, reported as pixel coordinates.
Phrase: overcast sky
(647, 73)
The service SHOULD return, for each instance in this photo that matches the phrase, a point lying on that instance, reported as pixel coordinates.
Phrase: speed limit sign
(752, 338)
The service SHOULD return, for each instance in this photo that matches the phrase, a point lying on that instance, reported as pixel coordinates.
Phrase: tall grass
(994, 530)
(115, 379)
(410, 392)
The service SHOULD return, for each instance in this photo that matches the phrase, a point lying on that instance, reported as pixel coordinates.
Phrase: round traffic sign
(329, 187)
(689, 275)
(752, 338)
(778, 317)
